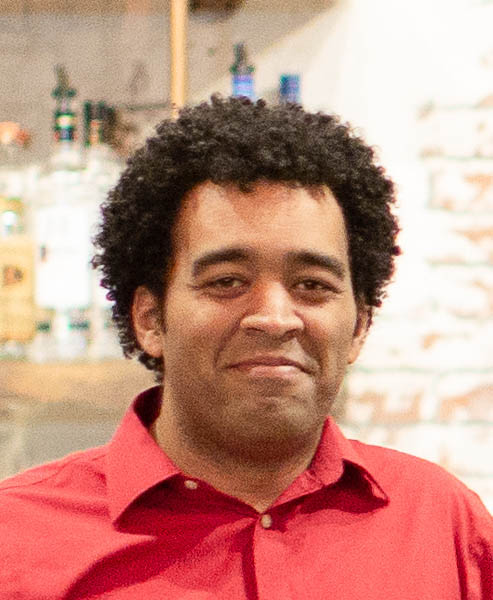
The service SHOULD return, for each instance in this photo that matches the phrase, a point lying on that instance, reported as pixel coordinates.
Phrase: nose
(272, 311)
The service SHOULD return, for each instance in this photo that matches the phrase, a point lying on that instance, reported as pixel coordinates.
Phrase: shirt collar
(135, 463)
(334, 453)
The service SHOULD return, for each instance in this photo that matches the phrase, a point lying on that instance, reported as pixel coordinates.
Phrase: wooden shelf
(214, 5)
(99, 384)
(109, 7)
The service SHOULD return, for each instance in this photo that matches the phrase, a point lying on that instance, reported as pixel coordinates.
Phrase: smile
(259, 370)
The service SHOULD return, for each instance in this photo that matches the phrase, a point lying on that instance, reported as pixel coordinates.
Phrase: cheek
(194, 331)
(334, 339)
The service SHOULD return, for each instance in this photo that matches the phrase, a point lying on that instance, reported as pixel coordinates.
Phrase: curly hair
(234, 140)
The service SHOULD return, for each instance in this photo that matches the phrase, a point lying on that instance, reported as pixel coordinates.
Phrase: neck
(256, 479)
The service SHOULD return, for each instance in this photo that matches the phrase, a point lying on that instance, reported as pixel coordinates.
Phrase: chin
(281, 416)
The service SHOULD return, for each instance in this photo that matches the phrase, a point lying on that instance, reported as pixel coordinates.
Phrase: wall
(425, 380)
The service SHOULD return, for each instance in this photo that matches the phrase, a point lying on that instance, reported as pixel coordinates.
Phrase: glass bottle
(16, 246)
(103, 168)
(62, 238)
(242, 71)
(289, 88)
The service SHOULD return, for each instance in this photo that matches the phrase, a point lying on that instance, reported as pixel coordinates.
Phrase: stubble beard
(254, 428)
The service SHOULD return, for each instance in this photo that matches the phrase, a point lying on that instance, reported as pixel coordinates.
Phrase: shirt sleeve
(474, 546)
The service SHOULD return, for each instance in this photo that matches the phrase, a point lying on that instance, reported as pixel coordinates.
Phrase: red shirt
(121, 521)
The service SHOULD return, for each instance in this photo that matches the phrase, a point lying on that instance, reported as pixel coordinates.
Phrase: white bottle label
(62, 259)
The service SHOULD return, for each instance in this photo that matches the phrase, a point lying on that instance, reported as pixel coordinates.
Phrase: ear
(360, 331)
(146, 321)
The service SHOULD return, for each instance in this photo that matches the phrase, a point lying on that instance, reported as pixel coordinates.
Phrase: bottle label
(11, 216)
(17, 318)
(243, 86)
(289, 90)
(63, 252)
(95, 132)
(11, 204)
(64, 126)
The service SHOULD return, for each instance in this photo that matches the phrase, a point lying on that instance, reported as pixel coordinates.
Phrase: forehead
(271, 218)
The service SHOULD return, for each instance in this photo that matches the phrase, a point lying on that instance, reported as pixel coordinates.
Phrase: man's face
(260, 317)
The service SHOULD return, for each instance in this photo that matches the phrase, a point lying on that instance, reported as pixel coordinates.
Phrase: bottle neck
(10, 155)
(96, 133)
(240, 65)
(65, 125)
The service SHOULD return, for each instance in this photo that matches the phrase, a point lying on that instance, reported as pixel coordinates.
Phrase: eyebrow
(239, 254)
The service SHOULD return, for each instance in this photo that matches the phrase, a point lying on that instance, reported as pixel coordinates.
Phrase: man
(245, 248)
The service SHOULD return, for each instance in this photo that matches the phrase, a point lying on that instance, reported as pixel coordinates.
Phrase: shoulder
(76, 471)
(431, 505)
(45, 512)
(396, 467)
(399, 470)
(47, 497)
(421, 485)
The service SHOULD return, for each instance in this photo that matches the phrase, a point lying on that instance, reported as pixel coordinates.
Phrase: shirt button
(191, 485)
(266, 521)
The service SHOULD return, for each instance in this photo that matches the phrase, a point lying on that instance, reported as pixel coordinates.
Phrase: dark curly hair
(234, 140)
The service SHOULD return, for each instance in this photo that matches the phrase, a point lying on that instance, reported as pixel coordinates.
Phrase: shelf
(108, 7)
(101, 384)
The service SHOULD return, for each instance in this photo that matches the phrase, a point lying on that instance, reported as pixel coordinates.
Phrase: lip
(285, 373)
(268, 361)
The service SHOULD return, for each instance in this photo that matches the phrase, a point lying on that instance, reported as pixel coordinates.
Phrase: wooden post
(178, 38)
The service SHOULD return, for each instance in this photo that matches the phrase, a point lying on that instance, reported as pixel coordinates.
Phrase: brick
(465, 396)
(463, 291)
(436, 342)
(387, 397)
(462, 186)
(459, 344)
(459, 239)
(467, 448)
(390, 343)
(460, 132)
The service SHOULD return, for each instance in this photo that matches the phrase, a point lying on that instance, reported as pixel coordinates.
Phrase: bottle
(242, 82)
(62, 238)
(102, 165)
(16, 246)
(101, 173)
(289, 88)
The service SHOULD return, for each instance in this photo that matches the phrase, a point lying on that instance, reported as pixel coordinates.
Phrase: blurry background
(415, 79)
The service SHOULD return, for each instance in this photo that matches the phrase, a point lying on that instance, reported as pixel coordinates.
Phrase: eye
(313, 288)
(225, 283)
(312, 285)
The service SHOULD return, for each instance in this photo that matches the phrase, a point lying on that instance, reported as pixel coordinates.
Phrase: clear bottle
(103, 168)
(62, 237)
(16, 246)
(242, 71)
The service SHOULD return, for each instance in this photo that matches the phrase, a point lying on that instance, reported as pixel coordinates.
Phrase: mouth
(271, 367)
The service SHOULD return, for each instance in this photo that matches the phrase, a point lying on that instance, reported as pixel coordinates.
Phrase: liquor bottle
(62, 238)
(242, 71)
(101, 173)
(16, 246)
(289, 88)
